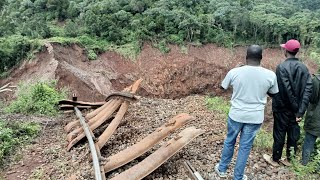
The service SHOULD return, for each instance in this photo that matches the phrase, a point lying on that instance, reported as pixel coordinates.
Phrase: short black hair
(293, 53)
(254, 52)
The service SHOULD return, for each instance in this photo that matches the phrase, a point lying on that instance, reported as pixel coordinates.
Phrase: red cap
(292, 45)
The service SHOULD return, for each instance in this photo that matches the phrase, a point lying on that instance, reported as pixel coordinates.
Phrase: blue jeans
(308, 146)
(247, 134)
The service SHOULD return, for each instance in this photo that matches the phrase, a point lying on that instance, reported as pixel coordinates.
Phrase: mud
(194, 70)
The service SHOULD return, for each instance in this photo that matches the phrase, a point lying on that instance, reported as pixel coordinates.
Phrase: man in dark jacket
(290, 104)
(312, 121)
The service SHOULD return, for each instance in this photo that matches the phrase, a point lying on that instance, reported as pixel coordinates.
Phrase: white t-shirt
(250, 86)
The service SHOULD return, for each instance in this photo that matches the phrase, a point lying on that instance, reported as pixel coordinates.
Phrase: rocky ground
(46, 157)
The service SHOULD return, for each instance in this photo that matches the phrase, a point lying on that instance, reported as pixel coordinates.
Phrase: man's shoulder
(268, 72)
(235, 70)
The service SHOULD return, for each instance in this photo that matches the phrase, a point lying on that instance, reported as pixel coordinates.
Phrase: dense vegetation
(40, 98)
(127, 23)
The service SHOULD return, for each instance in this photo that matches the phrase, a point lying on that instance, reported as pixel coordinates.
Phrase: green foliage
(122, 25)
(91, 55)
(130, 50)
(263, 140)
(218, 104)
(39, 98)
(311, 170)
(71, 29)
(13, 49)
(15, 133)
(162, 46)
(56, 31)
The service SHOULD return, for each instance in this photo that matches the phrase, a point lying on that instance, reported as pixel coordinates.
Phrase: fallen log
(145, 144)
(157, 158)
(4, 90)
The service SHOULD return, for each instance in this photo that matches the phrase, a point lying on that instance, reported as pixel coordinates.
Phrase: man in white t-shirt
(251, 84)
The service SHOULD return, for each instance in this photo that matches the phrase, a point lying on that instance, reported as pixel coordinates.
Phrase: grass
(311, 170)
(13, 134)
(218, 104)
(263, 140)
(37, 174)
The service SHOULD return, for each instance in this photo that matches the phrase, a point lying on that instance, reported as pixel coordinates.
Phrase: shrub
(162, 46)
(15, 133)
(71, 29)
(15, 48)
(92, 55)
(130, 50)
(40, 98)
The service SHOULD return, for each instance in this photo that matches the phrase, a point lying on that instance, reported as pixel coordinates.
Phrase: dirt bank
(194, 70)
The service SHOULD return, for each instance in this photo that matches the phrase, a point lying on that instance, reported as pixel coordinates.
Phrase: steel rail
(93, 150)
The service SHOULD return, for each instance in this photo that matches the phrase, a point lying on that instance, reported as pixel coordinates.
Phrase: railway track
(118, 104)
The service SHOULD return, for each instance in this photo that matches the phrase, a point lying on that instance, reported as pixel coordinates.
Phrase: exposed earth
(197, 70)
(174, 83)
(47, 157)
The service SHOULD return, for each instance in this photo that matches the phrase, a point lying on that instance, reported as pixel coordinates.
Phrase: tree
(58, 8)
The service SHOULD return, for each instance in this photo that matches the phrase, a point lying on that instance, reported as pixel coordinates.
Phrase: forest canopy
(123, 22)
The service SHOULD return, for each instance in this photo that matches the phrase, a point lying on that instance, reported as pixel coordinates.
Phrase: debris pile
(120, 101)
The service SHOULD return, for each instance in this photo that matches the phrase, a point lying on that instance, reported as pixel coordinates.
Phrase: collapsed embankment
(199, 69)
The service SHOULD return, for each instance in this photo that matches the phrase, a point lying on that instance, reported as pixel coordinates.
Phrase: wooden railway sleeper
(136, 150)
(156, 159)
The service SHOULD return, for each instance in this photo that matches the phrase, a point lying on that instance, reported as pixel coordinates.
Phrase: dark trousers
(284, 124)
(308, 147)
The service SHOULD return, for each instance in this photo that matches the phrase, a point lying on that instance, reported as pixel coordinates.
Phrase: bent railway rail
(120, 102)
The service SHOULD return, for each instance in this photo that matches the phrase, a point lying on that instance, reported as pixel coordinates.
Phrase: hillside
(181, 72)
(124, 25)
(52, 50)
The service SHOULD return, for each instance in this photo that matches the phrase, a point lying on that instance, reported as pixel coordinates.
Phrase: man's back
(250, 86)
(295, 85)
(312, 120)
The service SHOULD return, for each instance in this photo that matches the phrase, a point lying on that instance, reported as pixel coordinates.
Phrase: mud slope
(176, 74)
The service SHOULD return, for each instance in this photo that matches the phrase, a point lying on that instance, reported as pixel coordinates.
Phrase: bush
(130, 50)
(91, 55)
(162, 46)
(15, 133)
(15, 48)
(41, 98)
